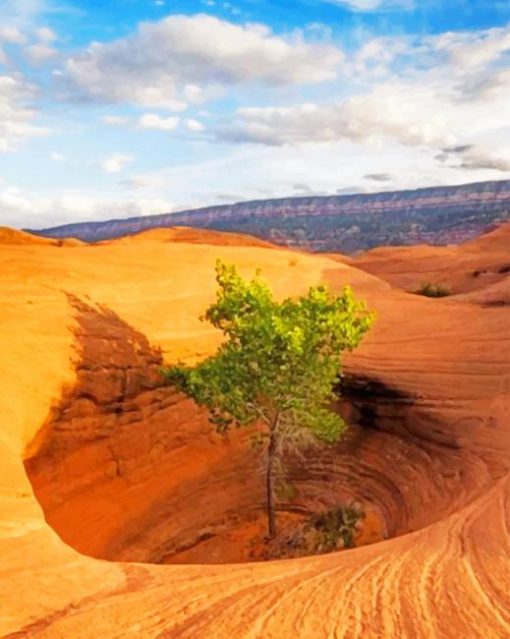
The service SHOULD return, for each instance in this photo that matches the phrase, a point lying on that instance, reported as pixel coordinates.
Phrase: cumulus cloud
(408, 114)
(12, 35)
(34, 43)
(434, 92)
(16, 116)
(39, 210)
(470, 50)
(181, 58)
(40, 52)
(472, 157)
(154, 121)
(483, 160)
(45, 34)
(116, 162)
(27, 14)
(194, 125)
(463, 54)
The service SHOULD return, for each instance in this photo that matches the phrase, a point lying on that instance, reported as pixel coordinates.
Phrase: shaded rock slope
(98, 458)
(345, 223)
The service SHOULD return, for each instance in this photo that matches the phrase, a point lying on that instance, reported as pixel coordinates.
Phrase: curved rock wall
(433, 377)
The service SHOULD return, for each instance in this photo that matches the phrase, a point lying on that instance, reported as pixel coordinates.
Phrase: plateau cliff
(345, 223)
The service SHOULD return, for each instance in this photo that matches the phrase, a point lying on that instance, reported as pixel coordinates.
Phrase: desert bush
(433, 290)
(336, 528)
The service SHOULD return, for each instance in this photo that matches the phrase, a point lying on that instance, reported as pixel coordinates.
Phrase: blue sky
(124, 107)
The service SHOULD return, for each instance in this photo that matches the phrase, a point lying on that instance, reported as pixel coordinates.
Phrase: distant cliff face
(345, 223)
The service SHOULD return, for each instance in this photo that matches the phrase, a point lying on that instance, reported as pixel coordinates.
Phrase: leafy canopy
(279, 361)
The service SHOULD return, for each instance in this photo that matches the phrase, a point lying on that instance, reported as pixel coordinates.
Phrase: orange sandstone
(122, 465)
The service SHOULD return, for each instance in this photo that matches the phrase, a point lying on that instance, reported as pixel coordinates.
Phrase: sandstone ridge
(99, 459)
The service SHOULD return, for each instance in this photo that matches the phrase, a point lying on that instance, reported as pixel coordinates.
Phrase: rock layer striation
(123, 468)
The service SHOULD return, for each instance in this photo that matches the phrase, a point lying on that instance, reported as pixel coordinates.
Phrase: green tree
(277, 366)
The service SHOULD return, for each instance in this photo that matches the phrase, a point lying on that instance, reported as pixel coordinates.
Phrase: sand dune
(100, 460)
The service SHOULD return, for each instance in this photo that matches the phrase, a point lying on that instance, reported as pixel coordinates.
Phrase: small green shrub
(433, 290)
(336, 528)
(318, 534)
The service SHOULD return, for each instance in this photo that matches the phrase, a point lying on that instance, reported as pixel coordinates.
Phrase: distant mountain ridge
(336, 223)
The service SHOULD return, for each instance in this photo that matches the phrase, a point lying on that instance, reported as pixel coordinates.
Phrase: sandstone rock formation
(478, 265)
(99, 460)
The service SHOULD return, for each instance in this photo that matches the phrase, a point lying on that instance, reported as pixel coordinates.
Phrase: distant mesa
(339, 223)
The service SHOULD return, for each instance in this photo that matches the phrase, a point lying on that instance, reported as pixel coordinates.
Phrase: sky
(115, 108)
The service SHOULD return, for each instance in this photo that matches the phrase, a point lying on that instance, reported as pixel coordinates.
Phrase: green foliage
(433, 290)
(322, 533)
(335, 526)
(277, 358)
(278, 364)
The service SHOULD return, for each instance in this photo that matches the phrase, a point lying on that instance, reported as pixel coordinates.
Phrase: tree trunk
(271, 453)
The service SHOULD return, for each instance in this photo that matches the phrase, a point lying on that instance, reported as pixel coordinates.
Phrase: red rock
(127, 470)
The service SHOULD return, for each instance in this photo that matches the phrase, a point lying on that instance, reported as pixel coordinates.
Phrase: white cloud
(26, 14)
(462, 54)
(194, 125)
(187, 56)
(154, 121)
(193, 93)
(116, 162)
(412, 114)
(40, 52)
(115, 120)
(39, 210)
(469, 50)
(45, 34)
(395, 117)
(405, 113)
(12, 35)
(446, 90)
(473, 157)
(15, 115)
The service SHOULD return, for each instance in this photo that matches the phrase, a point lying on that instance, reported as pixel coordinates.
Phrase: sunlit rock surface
(125, 469)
